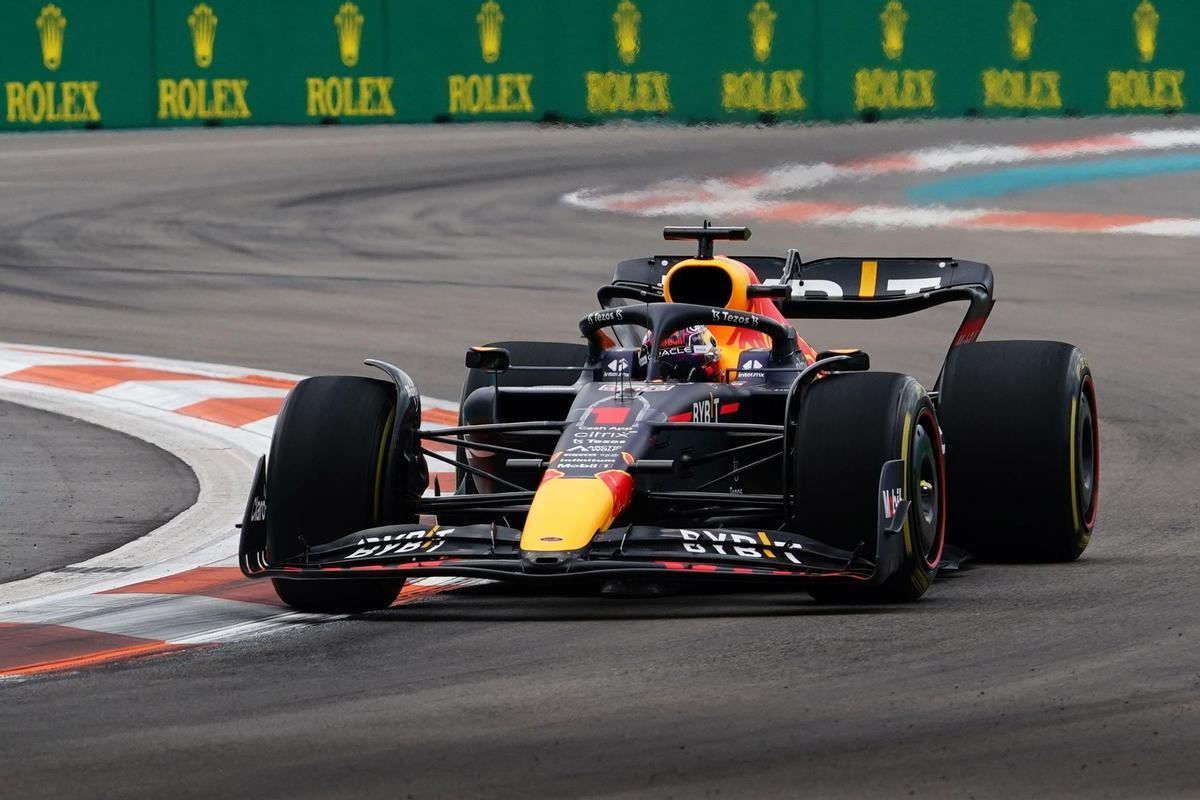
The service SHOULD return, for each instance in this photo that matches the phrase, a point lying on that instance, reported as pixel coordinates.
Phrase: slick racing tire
(1022, 450)
(324, 480)
(849, 426)
(522, 354)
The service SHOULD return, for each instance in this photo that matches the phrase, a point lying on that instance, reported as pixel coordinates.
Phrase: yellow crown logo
(50, 25)
(1145, 29)
(490, 19)
(626, 22)
(1021, 20)
(894, 18)
(203, 23)
(762, 29)
(349, 23)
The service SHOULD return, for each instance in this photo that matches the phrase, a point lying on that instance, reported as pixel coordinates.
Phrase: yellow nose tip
(566, 513)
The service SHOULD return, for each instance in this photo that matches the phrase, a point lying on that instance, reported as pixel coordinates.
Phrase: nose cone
(567, 512)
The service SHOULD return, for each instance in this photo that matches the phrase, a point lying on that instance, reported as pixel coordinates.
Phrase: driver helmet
(691, 354)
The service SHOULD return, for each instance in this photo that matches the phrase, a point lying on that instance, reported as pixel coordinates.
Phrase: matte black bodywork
(709, 462)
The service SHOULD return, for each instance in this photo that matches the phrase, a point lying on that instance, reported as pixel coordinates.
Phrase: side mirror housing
(492, 359)
(850, 360)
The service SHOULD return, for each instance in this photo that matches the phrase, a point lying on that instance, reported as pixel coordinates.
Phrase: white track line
(222, 456)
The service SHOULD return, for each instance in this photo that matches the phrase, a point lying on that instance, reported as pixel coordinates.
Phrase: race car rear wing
(846, 288)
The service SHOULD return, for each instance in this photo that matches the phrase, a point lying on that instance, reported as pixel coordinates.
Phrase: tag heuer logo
(50, 24)
(203, 23)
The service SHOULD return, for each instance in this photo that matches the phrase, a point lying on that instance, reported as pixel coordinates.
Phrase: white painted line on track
(179, 584)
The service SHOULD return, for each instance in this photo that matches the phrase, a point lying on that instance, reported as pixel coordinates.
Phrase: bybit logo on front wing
(774, 92)
(39, 102)
(616, 92)
(342, 95)
(1160, 89)
(208, 99)
(490, 93)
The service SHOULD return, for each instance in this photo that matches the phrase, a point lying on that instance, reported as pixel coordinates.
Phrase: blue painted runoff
(1025, 179)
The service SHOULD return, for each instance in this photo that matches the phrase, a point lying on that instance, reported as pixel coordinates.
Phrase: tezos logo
(728, 318)
(615, 315)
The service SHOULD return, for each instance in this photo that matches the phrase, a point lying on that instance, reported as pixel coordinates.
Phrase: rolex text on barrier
(203, 98)
(132, 63)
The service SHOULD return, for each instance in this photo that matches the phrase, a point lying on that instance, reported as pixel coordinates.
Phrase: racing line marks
(179, 586)
(770, 195)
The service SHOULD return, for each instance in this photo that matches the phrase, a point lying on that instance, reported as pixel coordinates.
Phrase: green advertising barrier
(271, 61)
(127, 63)
(74, 64)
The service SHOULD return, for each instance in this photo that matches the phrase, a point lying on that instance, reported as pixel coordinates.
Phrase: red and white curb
(178, 586)
(772, 194)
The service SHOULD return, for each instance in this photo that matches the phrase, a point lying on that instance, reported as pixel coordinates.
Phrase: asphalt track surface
(70, 490)
(307, 250)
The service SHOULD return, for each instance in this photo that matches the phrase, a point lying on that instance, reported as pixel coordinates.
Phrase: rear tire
(1022, 450)
(850, 424)
(325, 480)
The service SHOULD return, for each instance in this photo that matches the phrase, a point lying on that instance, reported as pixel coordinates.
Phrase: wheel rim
(927, 491)
(1087, 444)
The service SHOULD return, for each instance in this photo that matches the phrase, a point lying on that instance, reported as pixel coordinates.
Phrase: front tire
(849, 426)
(325, 479)
(1022, 449)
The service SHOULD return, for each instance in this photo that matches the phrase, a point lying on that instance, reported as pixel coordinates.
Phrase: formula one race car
(692, 436)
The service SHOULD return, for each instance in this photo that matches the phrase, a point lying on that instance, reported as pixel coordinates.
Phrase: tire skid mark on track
(177, 587)
(769, 195)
